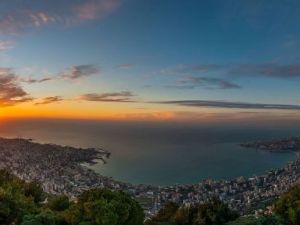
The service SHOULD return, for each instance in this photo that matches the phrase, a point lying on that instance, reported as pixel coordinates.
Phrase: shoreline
(59, 169)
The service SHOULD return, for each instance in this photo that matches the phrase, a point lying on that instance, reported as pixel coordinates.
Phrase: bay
(163, 153)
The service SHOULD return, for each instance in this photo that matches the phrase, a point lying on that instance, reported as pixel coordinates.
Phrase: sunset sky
(192, 60)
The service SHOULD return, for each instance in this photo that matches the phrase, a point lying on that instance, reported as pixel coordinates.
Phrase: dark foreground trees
(26, 204)
(211, 213)
(286, 211)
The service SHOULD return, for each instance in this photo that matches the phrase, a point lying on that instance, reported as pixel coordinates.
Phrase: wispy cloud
(230, 105)
(75, 72)
(49, 100)
(191, 82)
(33, 81)
(125, 66)
(191, 69)
(93, 9)
(16, 17)
(11, 93)
(267, 70)
(6, 45)
(123, 96)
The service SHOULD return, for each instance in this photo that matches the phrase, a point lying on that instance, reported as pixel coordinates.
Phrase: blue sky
(117, 54)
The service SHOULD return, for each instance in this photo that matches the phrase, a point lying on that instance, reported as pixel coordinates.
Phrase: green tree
(288, 207)
(211, 213)
(44, 218)
(21, 204)
(252, 220)
(59, 203)
(34, 190)
(8, 207)
(105, 207)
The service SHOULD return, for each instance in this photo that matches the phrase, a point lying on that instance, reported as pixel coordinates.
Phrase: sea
(164, 153)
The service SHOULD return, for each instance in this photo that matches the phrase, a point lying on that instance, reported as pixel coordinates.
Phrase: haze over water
(163, 153)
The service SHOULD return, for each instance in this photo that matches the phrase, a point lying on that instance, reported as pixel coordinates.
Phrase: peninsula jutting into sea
(280, 145)
(60, 169)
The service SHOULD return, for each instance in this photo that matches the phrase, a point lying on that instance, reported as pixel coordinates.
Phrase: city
(60, 170)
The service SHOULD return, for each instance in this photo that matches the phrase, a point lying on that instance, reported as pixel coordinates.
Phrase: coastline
(60, 170)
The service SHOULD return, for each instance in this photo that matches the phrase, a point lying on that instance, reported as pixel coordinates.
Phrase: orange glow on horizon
(130, 112)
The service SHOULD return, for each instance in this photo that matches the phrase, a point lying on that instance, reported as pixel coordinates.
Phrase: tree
(59, 203)
(252, 220)
(20, 204)
(105, 207)
(212, 213)
(44, 218)
(288, 207)
(34, 190)
(8, 207)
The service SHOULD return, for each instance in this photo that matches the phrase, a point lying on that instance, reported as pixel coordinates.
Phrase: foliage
(34, 190)
(288, 207)
(211, 213)
(104, 207)
(22, 203)
(252, 220)
(59, 203)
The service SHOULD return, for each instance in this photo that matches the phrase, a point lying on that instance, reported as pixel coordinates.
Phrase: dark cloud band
(123, 96)
(230, 105)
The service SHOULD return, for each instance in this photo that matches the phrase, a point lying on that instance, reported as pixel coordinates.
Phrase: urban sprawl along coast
(60, 169)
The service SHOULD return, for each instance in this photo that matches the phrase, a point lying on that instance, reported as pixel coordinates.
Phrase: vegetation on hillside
(286, 211)
(24, 203)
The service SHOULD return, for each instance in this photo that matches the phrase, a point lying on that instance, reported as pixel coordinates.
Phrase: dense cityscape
(60, 169)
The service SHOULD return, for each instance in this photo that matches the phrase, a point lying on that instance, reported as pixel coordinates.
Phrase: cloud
(49, 100)
(6, 45)
(191, 69)
(18, 16)
(76, 72)
(125, 66)
(11, 93)
(271, 70)
(123, 96)
(191, 82)
(230, 105)
(21, 20)
(33, 81)
(91, 10)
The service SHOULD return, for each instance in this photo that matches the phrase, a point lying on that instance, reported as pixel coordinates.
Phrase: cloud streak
(192, 82)
(191, 69)
(123, 96)
(75, 72)
(91, 10)
(19, 16)
(49, 100)
(230, 105)
(268, 70)
(271, 70)
(125, 66)
(6, 45)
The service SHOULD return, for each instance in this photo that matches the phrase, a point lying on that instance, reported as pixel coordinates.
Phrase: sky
(206, 61)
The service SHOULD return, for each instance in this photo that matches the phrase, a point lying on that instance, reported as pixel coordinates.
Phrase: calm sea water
(156, 153)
